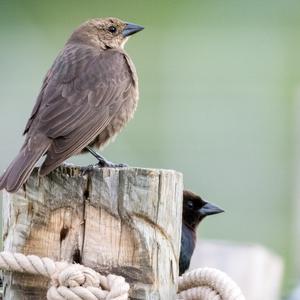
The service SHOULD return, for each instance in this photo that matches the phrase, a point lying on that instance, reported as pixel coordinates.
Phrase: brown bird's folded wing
(84, 89)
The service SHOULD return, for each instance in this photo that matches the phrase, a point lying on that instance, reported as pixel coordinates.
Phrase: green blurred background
(218, 99)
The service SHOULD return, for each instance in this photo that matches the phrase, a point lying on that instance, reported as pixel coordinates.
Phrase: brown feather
(87, 97)
(21, 167)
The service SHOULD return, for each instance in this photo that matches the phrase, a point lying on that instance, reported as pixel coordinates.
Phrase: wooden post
(256, 270)
(121, 221)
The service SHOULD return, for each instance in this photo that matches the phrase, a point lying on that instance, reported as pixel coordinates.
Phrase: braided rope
(208, 284)
(68, 281)
(77, 282)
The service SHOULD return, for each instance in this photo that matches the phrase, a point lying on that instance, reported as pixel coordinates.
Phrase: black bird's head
(196, 209)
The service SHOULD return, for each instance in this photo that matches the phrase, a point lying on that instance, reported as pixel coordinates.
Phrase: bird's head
(106, 33)
(195, 209)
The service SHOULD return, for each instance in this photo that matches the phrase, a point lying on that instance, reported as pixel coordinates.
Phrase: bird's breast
(118, 121)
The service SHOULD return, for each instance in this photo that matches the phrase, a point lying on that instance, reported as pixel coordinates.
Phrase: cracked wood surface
(122, 221)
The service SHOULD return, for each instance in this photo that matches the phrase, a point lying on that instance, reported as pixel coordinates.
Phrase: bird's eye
(190, 204)
(112, 29)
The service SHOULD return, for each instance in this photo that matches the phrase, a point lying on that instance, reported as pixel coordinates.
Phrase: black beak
(210, 209)
(131, 28)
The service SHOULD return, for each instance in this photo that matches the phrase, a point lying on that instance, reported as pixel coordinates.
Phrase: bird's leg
(102, 162)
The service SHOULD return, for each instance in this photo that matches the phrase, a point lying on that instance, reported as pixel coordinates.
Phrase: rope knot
(78, 282)
(76, 275)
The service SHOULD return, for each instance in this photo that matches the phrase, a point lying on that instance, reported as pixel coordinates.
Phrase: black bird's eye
(190, 204)
(112, 29)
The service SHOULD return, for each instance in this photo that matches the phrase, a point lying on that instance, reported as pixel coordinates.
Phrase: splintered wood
(121, 221)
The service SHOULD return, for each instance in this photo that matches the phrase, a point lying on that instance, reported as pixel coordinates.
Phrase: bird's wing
(83, 90)
(37, 105)
(187, 248)
(65, 68)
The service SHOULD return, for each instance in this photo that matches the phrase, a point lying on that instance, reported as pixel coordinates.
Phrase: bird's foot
(103, 162)
(108, 164)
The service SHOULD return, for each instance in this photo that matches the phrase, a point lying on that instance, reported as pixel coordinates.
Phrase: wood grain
(122, 221)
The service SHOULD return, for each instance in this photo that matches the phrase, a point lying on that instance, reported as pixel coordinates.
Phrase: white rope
(68, 281)
(77, 282)
(208, 284)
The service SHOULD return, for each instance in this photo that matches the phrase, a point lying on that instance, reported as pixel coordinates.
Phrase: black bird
(193, 212)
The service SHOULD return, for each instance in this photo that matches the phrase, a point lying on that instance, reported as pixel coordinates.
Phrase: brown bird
(87, 97)
(194, 210)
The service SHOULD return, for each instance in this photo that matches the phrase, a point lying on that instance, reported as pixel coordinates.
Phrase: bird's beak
(210, 209)
(131, 28)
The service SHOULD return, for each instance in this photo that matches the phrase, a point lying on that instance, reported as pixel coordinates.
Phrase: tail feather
(21, 167)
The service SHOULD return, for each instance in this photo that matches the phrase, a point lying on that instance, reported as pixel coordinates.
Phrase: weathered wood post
(121, 221)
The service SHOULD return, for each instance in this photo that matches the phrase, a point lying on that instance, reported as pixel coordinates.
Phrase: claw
(102, 162)
(109, 164)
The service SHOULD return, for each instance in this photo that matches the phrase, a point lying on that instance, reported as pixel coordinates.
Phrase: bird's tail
(21, 167)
